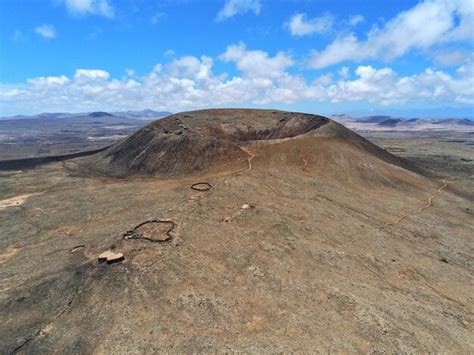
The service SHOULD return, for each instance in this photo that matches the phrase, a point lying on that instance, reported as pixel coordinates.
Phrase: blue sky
(412, 58)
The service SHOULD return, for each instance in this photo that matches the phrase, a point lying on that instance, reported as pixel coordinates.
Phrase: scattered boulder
(246, 206)
(104, 255)
(115, 258)
(111, 257)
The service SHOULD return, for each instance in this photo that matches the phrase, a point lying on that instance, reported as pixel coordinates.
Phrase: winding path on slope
(251, 155)
(429, 203)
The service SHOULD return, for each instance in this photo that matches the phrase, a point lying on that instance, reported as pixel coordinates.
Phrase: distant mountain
(455, 121)
(43, 115)
(67, 123)
(99, 114)
(389, 123)
(373, 119)
(143, 114)
(147, 114)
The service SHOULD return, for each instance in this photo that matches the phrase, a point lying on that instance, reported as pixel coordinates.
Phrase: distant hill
(373, 119)
(57, 134)
(143, 114)
(99, 114)
(136, 115)
(456, 121)
(79, 122)
(389, 123)
(43, 115)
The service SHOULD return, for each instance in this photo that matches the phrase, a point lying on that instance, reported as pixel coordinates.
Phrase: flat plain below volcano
(306, 238)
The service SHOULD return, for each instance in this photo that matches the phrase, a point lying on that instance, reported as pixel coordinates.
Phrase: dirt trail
(251, 155)
(305, 165)
(429, 203)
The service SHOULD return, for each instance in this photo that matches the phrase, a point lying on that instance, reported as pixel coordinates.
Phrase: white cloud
(324, 79)
(384, 86)
(46, 31)
(235, 7)
(255, 63)
(191, 68)
(426, 24)
(343, 72)
(299, 25)
(450, 57)
(89, 74)
(355, 20)
(467, 70)
(93, 7)
(50, 80)
(190, 82)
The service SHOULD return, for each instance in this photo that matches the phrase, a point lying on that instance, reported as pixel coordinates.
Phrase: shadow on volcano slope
(295, 243)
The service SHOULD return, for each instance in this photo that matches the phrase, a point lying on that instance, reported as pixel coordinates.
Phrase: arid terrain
(268, 232)
(51, 134)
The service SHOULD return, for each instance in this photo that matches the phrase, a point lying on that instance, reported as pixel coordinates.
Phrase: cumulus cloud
(324, 79)
(46, 31)
(92, 7)
(48, 81)
(91, 74)
(450, 57)
(191, 82)
(235, 7)
(256, 63)
(300, 25)
(343, 72)
(384, 86)
(427, 24)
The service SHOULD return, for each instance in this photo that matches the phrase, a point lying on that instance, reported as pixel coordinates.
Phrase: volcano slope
(302, 236)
